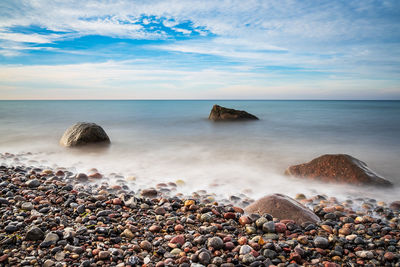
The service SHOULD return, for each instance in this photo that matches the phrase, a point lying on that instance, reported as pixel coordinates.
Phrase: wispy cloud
(141, 80)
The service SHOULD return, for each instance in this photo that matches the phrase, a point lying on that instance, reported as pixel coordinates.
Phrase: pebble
(321, 242)
(215, 242)
(104, 255)
(33, 183)
(365, 254)
(245, 249)
(34, 234)
(28, 206)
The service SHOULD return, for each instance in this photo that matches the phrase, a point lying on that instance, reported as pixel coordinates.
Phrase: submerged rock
(340, 168)
(219, 113)
(83, 133)
(282, 207)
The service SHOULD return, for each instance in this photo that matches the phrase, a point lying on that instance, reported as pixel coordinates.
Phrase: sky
(199, 49)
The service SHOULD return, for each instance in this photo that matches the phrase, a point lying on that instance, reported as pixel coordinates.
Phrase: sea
(159, 141)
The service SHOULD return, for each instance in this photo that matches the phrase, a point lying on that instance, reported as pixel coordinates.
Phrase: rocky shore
(59, 218)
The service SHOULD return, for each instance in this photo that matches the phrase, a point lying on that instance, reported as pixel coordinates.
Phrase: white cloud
(184, 31)
(28, 38)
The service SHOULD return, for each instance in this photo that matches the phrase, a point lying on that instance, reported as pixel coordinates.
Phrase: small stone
(28, 206)
(176, 251)
(3, 258)
(327, 228)
(365, 254)
(11, 229)
(117, 201)
(269, 227)
(268, 253)
(146, 245)
(3, 201)
(74, 249)
(344, 231)
(204, 258)
(250, 230)
(389, 256)
(160, 211)
(248, 259)
(81, 177)
(80, 209)
(300, 196)
(51, 238)
(48, 263)
(33, 183)
(95, 175)
(59, 256)
(229, 215)
(245, 249)
(151, 192)
(103, 255)
(215, 242)
(179, 239)
(321, 242)
(189, 202)
(154, 228)
(133, 261)
(205, 217)
(243, 220)
(260, 222)
(280, 227)
(128, 234)
(34, 234)
(179, 228)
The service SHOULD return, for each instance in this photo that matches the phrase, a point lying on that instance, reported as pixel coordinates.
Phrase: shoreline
(51, 220)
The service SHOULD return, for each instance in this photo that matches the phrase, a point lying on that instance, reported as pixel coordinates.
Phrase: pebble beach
(53, 217)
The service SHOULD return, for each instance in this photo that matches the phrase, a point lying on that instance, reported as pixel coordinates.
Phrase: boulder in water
(84, 133)
(339, 168)
(219, 113)
(283, 208)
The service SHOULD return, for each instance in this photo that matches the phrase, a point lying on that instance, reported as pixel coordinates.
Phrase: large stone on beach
(340, 168)
(219, 113)
(83, 133)
(282, 207)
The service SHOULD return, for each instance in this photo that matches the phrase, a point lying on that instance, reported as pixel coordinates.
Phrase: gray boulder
(83, 133)
(219, 113)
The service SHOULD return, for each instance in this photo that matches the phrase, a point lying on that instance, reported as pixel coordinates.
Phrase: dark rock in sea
(83, 133)
(219, 113)
(340, 168)
(282, 207)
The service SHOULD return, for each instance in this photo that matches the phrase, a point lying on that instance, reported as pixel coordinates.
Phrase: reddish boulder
(219, 113)
(340, 168)
(282, 207)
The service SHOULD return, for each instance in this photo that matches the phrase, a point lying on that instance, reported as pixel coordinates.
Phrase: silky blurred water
(158, 141)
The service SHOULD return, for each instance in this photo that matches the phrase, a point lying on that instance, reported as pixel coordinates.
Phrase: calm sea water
(158, 141)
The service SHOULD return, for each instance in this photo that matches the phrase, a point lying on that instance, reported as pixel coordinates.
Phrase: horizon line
(201, 99)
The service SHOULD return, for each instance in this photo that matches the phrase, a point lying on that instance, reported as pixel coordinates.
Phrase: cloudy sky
(199, 49)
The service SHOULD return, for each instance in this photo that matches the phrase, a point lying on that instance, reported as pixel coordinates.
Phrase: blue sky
(199, 49)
